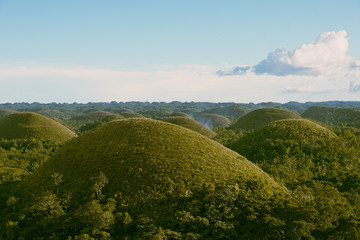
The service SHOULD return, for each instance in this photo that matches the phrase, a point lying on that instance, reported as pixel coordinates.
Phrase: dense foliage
(316, 164)
(20, 157)
(145, 179)
(334, 116)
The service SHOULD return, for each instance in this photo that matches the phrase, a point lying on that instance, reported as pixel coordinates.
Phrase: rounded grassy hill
(260, 117)
(192, 125)
(145, 159)
(334, 116)
(211, 120)
(33, 125)
(290, 149)
(233, 112)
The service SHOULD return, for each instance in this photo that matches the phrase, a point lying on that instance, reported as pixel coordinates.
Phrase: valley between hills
(180, 170)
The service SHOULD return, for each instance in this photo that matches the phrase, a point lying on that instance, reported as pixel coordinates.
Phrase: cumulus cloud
(325, 55)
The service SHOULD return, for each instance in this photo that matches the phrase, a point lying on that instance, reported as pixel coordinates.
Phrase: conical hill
(145, 159)
(192, 125)
(211, 120)
(289, 148)
(260, 117)
(334, 116)
(91, 116)
(33, 125)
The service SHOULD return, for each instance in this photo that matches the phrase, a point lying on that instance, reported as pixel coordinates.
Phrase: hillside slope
(148, 157)
(192, 125)
(33, 125)
(333, 116)
(260, 117)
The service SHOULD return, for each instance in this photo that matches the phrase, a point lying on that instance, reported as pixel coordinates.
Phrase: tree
(99, 183)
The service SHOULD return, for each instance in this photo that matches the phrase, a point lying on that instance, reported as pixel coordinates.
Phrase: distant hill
(211, 120)
(178, 114)
(333, 116)
(233, 112)
(131, 115)
(33, 125)
(6, 112)
(192, 125)
(260, 117)
(92, 116)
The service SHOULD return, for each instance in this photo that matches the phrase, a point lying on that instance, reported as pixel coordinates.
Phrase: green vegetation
(317, 165)
(91, 125)
(233, 112)
(148, 179)
(141, 178)
(192, 125)
(131, 115)
(260, 117)
(211, 120)
(6, 112)
(334, 116)
(178, 114)
(91, 116)
(20, 157)
(33, 125)
(153, 151)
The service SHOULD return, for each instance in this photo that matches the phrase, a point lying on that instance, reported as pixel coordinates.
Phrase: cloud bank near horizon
(324, 56)
(318, 71)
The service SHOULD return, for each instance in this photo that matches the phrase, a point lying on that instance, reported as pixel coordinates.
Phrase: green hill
(293, 146)
(211, 120)
(333, 116)
(131, 115)
(6, 112)
(147, 179)
(147, 157)
(192, 125)
(178, 114)
(33, 125)
(260, 117)
(233, 112)
(92, 116)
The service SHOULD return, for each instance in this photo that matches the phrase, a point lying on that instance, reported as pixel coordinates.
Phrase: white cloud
(318, 71)
(326, 55)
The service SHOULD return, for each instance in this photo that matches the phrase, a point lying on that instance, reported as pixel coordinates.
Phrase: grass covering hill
(6, 112)
(296, 150)
(260, 117)
(147, 179)
(333, 116)
(211, 120)
(192, 125)
(33, 125)
(148, 158)
(317, 165)
(143, 179)
(92, 116)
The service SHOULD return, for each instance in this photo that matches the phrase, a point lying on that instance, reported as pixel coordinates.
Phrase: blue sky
(66, 51)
